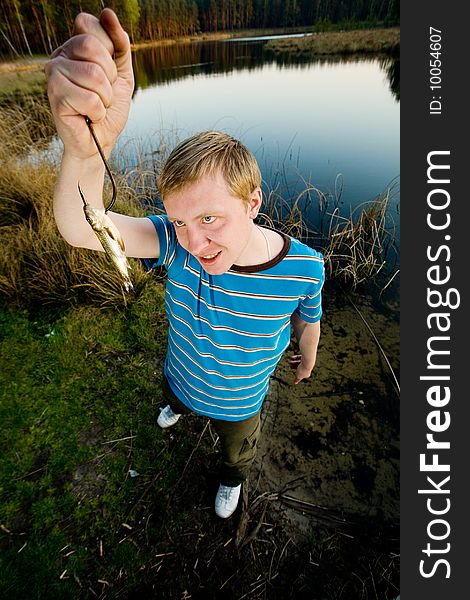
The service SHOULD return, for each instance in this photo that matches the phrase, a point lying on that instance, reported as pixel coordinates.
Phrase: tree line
(39, 26)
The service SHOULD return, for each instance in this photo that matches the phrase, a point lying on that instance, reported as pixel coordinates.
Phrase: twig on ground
(129, 437)
(249, 538)
(172, 489)
(397, 385)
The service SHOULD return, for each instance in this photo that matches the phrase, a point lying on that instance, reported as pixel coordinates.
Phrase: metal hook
(108, 170)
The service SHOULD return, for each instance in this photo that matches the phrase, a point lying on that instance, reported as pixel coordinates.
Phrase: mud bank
(333, 442)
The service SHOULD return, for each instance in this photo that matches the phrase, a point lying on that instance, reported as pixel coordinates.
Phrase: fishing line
(108, 170)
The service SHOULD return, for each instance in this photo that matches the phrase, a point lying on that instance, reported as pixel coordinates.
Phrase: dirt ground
(335, 437)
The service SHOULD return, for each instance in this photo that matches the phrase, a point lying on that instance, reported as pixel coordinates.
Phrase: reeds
(359, 247)
(284, 215)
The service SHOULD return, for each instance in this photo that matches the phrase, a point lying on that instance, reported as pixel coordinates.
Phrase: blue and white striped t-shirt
(228, 332)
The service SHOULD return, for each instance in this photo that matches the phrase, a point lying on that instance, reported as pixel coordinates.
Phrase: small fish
(110, 238)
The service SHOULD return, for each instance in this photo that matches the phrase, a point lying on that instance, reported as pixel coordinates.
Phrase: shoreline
(216, 36)
(334, 43)
(34, 63)
(37, 62)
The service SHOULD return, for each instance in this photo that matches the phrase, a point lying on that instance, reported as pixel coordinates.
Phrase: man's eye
(208, 219)
(178, 223)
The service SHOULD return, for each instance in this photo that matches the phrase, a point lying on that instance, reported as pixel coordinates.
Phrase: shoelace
(227, 493)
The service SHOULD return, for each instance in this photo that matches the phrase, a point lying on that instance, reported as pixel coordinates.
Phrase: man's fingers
(86, 62)
(89, 24)
(88, 76)
(90, 49)
(108, 30)
(74, 100)
(120, 40)
(91, 74)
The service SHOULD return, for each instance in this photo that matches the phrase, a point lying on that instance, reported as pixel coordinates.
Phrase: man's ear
(254, 205)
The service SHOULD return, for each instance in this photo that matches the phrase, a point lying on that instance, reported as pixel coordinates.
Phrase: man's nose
(197, 240)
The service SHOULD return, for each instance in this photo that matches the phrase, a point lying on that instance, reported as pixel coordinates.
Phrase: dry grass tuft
(284, 215)
(356, 247)
(26, 125)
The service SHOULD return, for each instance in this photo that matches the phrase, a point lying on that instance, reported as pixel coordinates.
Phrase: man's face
(212, 224)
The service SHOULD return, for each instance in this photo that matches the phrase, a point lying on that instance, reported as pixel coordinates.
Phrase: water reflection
(391, 66)
(165, 64)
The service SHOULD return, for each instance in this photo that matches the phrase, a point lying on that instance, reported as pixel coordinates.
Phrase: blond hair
(206, 153)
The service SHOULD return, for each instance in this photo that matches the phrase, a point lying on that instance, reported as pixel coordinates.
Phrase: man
(233, 288)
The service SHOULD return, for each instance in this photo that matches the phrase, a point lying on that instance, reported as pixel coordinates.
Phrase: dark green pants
(238, 440)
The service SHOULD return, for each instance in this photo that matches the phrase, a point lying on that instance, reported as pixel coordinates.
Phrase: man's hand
(91, 74)
(308, 335)
(301, 372)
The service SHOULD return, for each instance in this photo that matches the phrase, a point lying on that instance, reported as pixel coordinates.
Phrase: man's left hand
(301, 372)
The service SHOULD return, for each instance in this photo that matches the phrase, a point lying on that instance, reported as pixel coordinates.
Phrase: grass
(78, 404)
(340, 42)
(15, 84)
(79, 396)
(79, 379)
(70, 386)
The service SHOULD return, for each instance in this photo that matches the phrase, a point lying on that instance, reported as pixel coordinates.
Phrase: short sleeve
(310, 306)
(167, 240)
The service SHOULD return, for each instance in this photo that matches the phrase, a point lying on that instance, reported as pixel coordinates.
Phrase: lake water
(329, 122)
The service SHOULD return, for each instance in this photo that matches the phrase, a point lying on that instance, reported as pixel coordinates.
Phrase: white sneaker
(167, 417)
(226, 500)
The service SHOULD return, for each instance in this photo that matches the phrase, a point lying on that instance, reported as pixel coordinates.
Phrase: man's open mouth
(209, 258)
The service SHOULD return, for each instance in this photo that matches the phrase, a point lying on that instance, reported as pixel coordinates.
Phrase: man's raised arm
(91, 74)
